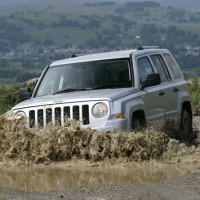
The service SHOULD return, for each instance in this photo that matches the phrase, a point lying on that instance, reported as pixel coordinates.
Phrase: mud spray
(56, 144)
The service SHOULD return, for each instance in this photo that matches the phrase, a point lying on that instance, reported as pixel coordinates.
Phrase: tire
(137, 124)
(186, 133)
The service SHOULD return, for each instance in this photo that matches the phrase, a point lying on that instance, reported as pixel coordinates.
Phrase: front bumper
(116, 124)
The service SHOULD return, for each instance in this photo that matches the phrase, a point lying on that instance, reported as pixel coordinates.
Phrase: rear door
(177, 86)
(168, 89)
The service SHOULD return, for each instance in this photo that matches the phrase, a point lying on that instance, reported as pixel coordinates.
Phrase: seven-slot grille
(58, 115)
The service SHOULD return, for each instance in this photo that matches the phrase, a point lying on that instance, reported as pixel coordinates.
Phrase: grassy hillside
(184, 4)
(32, 33)
(65, 22)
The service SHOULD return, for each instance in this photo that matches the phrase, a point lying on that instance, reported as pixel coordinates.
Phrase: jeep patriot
(125, 90)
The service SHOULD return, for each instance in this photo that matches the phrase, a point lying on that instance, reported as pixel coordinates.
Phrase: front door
(153, 96)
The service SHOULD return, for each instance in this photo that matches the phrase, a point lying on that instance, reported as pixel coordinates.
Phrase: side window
(172, 65)
(144, 67)
(161, 67)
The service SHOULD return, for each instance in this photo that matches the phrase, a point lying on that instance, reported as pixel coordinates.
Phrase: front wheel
(137, 124)
(186, 133)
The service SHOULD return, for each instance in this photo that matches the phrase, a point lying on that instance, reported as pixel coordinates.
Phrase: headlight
(99, 110)
(20, 114)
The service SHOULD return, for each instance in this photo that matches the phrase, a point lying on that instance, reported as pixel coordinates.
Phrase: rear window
(161, 67)
(172, 65)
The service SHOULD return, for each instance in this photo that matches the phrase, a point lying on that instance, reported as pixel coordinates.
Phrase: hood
(78, 96)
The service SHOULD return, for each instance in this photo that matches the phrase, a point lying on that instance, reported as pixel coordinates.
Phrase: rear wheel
(185, 130)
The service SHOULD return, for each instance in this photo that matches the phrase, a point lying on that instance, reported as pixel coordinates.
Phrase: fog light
(20, 115)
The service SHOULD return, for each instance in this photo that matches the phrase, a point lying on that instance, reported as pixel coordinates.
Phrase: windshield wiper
(69, 90)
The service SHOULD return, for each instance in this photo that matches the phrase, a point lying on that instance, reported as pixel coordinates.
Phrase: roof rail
(73, 55)
(148, 47)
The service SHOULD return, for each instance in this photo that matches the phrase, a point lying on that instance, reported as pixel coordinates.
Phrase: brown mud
(34, 162)
(56, 144)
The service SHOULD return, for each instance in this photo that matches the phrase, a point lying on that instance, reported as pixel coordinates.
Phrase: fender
(131, 107)
(182, 98)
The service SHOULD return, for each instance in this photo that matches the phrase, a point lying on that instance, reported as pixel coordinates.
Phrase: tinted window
(144, 67)
(161, 67)
(172, 65)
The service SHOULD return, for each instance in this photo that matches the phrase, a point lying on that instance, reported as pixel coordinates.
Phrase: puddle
(48, 178)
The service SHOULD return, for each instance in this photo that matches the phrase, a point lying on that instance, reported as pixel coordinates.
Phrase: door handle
(161, 93)
(175, 89)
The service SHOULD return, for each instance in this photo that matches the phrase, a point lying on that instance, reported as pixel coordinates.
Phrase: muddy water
(28, 157)
(56, 144)
(55, 178)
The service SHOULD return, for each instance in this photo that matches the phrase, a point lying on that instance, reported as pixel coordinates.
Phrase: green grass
(194, 87)
(8, 96)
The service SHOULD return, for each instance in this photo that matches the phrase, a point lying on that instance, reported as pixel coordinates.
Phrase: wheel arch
(139, 114)
(135, 108)
(186, 132)
(188, 107)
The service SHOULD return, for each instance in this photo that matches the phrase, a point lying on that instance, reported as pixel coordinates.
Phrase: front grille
(85, 114)
(40, 117)
(76, 112)
(58, 115)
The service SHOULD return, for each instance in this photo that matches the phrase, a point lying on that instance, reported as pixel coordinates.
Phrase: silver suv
(123, 90)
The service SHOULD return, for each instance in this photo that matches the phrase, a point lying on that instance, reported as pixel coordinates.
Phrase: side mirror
(25, 93)
(151, 80)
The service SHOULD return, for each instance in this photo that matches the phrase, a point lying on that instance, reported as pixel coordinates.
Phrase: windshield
(86, 76)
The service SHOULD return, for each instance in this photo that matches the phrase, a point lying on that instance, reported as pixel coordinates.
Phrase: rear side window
(172, 65)
(144, 67)
(161, 67)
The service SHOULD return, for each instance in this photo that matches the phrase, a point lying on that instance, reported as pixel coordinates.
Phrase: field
(48, 21)
(34, 34)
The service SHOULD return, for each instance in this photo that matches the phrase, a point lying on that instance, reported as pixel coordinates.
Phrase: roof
(101, 56)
